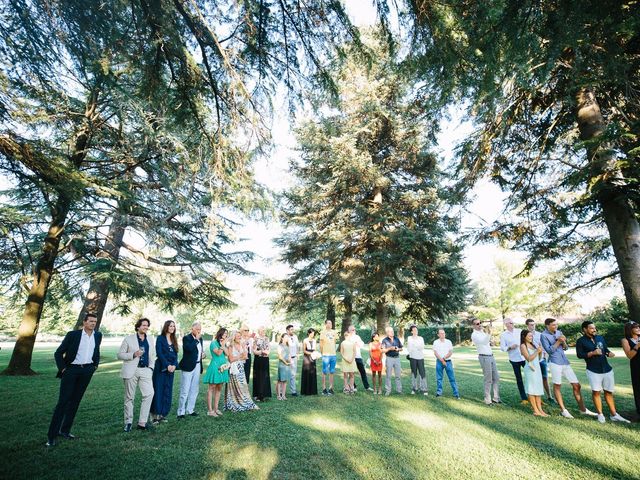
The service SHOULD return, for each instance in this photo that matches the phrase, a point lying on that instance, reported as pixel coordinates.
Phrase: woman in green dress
(217, 371)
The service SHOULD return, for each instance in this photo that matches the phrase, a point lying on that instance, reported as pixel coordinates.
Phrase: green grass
(341, 437)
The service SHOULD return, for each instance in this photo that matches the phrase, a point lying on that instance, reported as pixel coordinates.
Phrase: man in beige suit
(139, 354)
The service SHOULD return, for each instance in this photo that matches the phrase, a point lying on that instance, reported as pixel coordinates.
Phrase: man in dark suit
(191, 368)
(77, 358)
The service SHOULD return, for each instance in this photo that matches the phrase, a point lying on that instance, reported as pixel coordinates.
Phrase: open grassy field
(342, 437)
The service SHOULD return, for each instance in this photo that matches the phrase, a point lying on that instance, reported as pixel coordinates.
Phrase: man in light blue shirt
(555, 343)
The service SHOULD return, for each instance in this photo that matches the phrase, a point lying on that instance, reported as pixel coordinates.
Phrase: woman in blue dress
(532, 372)
(163, 372)
(217, 372)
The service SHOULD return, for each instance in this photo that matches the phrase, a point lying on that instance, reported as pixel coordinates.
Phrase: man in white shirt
(510, 343)
(293, 364)
(77, 358)
(482, 341)
(359, 363)
(531, 326)
(443, 349)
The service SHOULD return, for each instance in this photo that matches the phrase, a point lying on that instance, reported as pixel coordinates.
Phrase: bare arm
(628, 351)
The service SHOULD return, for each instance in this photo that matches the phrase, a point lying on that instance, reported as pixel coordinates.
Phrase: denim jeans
(450, 375)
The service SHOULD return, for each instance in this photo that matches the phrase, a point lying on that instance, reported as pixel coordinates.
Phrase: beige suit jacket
(128, 348)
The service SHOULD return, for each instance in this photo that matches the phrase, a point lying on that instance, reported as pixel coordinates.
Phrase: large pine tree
(367, 221)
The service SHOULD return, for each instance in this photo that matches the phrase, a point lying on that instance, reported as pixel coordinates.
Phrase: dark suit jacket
(190, 353)
(68, 349)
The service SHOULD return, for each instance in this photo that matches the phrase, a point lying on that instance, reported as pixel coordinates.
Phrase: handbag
(315, 355)
(223, 367)
(234, 369)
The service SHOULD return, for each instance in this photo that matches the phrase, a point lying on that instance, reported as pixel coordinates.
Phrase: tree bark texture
(20, 363)
(617, 210)
(347, 320)
(21, 357)
(382, 316)
(331, 312)
(97, 295)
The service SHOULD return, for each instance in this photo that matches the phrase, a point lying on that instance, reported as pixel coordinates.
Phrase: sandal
(212, 413)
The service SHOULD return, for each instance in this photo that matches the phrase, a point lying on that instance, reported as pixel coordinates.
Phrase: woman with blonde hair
(348, 365)
(236, 394)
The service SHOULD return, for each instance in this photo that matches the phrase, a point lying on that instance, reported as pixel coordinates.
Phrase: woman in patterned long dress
(261, 377)
(236, 395)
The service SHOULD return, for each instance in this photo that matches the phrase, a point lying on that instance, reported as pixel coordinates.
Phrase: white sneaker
(601, 418)
(426, 394)
(565, 413)
(370, 389)
(589, 413)
(618, 418)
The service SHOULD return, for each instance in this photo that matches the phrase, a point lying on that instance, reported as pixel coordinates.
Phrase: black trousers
(517, 370)
(73, 384)
(247, 368)
(363, 373)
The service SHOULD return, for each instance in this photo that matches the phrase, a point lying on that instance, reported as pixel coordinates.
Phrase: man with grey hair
(391, 346)
(191, 366)
(359, 363)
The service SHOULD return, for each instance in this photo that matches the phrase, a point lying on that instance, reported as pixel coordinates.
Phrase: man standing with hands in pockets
(139, 354)
(191, 367)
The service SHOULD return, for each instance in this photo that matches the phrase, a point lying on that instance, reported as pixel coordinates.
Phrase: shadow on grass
(343, 437)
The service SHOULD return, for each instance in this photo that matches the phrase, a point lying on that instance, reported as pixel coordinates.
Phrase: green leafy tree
(553, 89)
(366, 221)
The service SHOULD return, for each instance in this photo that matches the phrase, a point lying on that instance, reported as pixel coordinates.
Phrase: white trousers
(189, 388)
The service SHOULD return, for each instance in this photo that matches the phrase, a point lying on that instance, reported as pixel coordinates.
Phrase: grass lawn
(342, 437)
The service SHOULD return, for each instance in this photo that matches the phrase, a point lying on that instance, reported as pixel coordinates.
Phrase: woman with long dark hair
(532, 372)
(165, 366)
(261, 377)
(217, 372)
(631, 345)
(309, 378)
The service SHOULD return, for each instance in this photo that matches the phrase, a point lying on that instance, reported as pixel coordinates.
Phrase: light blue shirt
(556, 354)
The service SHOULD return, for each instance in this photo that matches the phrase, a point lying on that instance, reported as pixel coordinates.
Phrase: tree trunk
(382, 316)
(617, 211)
(96, 299)
(348, 314)
(20, 363)
(331, 312)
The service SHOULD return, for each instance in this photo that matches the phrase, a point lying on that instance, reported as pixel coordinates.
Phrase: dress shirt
(359, 344)
(388, 343)
(85, 349)
(508, 338)
(482, 341)
(597, 363)
(293, 346)
(144, 358)
(556, 354)
(199, 351)
(415, 346)
(442, 348)
(538, 343)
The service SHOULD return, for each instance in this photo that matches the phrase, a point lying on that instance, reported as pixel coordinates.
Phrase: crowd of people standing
(149, 365)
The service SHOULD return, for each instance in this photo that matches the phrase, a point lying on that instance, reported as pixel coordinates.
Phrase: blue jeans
(450, 375)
